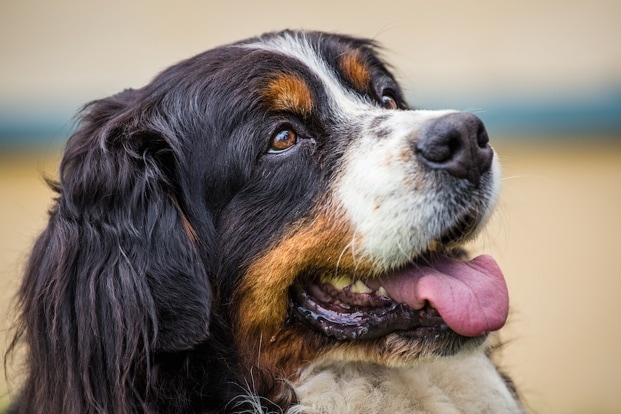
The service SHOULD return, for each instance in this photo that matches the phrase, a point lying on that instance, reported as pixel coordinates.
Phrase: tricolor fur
(267, 227)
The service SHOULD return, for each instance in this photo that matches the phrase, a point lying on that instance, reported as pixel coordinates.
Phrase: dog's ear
(117, 275)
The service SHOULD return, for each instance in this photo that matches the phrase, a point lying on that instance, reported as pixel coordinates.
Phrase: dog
(267, 227)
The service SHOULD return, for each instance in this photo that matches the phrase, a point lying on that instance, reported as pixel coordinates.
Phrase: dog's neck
(464, 384)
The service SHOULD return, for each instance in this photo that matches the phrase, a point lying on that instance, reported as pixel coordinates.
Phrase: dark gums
(362, 322)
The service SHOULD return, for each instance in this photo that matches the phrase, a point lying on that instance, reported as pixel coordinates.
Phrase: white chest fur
(464, 384)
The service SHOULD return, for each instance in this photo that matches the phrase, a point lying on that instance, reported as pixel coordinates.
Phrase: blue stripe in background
(595, 115)
(598, 115)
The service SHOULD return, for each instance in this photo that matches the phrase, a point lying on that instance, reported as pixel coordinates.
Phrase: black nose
(458, 144)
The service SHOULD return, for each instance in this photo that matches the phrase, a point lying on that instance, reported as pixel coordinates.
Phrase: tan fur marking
(356, 71)
(263, 294)
(289, 93)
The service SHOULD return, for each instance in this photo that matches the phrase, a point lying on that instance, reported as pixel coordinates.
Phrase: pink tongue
(471, 297)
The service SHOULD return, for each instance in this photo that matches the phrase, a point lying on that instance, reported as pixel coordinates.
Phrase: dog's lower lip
(367, 317)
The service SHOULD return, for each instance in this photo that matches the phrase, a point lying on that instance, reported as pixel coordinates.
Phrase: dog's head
(342, 240)
(282, 187)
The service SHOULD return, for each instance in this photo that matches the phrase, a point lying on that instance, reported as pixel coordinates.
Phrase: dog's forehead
(342, 66)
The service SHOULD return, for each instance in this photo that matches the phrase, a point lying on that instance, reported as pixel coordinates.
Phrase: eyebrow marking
(289, 92)
(356, 72)
(298, 46)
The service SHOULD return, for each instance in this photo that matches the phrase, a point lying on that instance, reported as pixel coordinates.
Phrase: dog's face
(339, 211)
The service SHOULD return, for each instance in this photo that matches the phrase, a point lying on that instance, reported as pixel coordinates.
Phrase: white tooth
(360, 287)
(339, 282)
(382, 292)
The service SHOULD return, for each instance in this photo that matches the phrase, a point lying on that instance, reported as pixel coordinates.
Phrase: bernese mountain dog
(267, 227)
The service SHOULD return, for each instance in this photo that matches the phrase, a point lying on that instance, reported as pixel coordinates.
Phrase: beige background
(557, 228)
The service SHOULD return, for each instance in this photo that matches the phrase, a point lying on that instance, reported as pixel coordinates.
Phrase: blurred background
(545, 76)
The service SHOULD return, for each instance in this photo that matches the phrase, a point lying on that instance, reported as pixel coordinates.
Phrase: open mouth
(435, 293)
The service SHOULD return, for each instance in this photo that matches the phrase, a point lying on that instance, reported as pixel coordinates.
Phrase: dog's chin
(404, 348)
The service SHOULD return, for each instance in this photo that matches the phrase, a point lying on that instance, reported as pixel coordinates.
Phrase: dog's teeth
(339, 282)
(382, 292)
(360, 287)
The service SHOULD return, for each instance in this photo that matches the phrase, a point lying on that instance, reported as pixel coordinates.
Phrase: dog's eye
(283, 140)
(389, 102)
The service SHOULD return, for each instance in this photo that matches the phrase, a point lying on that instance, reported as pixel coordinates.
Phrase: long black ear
(116, 276)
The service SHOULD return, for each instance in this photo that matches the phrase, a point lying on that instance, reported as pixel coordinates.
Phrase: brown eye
(283, 140)
(389, 102)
